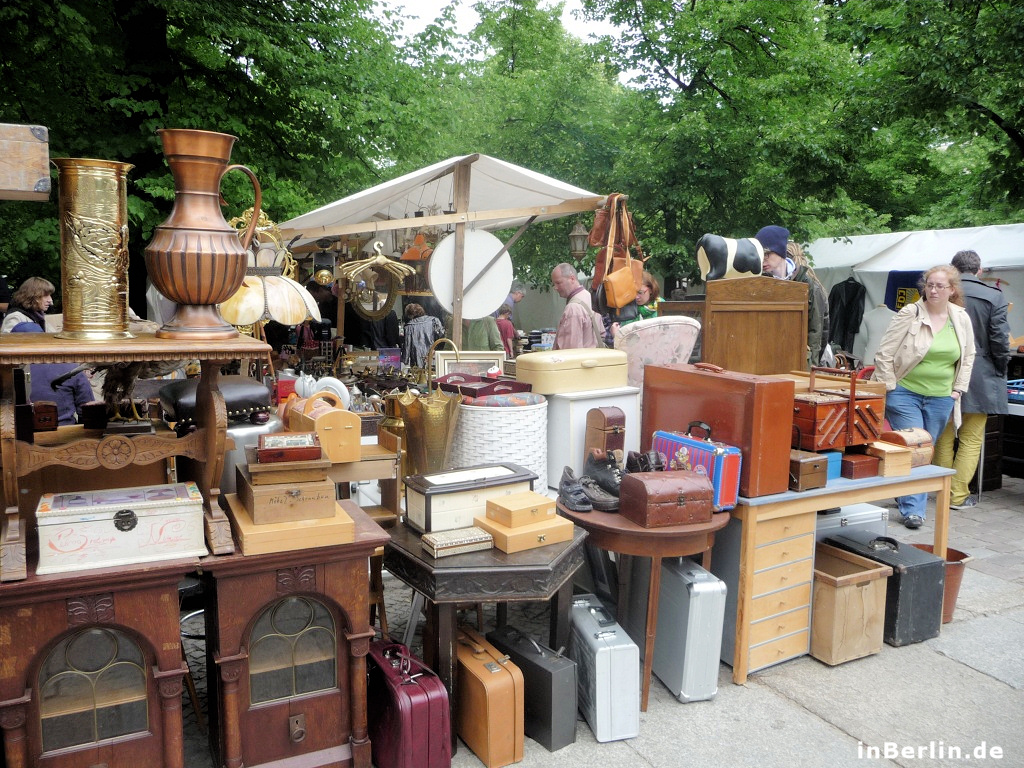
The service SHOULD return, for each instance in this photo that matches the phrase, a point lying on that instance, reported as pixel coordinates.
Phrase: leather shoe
(649, 461)
(913, 521)
(599, 498)
(602, 468)
(570, 493)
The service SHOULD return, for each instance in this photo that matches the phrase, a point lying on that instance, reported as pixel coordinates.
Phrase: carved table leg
(169, 686)
(359, 646)
(231, 727)
(212, 417)
(12, 720)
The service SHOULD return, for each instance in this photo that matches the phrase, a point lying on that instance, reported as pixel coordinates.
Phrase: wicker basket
(518, 435)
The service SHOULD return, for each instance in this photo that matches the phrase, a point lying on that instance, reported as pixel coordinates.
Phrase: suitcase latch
(604, 635)
(492, 667)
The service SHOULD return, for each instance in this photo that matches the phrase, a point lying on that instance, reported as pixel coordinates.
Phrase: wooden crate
(848, 612)
(284, 502)
(893, 460)
(24, 162)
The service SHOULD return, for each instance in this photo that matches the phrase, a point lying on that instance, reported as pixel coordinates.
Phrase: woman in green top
(648, 296)
(925, 360)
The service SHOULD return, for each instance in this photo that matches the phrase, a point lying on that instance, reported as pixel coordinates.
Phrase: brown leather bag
(672, 497)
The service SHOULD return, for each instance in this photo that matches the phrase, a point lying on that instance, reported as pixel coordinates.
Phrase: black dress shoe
(649, 461)
(570, 493)
(602, 468)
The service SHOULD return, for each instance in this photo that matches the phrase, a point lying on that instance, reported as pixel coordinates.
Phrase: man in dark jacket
(986, 393)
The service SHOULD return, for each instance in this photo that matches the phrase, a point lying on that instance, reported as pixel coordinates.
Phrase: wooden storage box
(572, 370)
(98, 529)
(256, 539)
(530, 536)
(893, 460)
(520, 508)
(24, 162)
(447, 500)
(807, 470)
(848, 613)
(340, 432)
(858, 465)
(285, 471)
(284, 502)
(820, 421)
(839, 384)
(606, 431)
(288, 447)
(918, 440)
(456, 541)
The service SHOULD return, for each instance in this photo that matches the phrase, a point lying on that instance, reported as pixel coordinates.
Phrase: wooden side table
(611, 531)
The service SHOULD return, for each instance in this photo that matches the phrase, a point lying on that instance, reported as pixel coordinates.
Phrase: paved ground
(954, 700)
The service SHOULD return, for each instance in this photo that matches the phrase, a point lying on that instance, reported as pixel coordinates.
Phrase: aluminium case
(866, 518)
(607, 669)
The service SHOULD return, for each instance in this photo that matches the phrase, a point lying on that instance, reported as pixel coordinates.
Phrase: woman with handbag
(925, 360)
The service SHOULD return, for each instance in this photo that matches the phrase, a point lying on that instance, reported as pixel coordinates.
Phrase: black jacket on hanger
(845, 310)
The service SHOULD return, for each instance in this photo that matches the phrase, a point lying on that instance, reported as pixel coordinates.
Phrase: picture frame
(475, 363)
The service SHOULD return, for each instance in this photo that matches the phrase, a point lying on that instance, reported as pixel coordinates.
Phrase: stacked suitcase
(607, 669)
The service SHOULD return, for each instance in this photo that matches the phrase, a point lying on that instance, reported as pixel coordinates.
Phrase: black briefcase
(913, 598)
(549, 679)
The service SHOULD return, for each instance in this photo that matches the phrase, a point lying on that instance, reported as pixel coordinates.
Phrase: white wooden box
(444, 501)
(119, 526)
(567, 425)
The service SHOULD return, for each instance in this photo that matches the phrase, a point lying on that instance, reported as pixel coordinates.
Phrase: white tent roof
(870, 258)
(501, 195)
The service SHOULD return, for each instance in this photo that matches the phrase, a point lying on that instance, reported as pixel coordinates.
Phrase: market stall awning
(501, 195)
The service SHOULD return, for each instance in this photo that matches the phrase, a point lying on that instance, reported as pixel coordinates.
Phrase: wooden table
(544, 573)
(612, 532)
(774, 532)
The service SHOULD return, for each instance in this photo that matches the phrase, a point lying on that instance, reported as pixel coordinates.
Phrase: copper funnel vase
(196, 258)
(93, 213)
(429, 429)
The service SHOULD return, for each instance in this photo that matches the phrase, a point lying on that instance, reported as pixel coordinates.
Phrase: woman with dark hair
(421, 330)
(29, 304)
(925, 360)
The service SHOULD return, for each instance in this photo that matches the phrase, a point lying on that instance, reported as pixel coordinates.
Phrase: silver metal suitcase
(691, 612)
(607, 671)
(859, 517)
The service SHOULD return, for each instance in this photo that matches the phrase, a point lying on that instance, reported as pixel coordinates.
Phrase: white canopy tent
(476, 190)
(870, 258)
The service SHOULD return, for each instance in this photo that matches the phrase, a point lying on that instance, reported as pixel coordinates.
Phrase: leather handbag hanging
(619, 285)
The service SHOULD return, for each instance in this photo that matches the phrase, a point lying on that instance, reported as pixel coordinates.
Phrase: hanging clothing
(845, 311)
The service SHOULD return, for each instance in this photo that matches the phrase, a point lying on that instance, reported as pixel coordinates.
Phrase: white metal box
(567, 425)
(571, 370)
(120, 526)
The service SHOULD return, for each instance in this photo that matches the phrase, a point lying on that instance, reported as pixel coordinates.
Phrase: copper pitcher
(196, 258)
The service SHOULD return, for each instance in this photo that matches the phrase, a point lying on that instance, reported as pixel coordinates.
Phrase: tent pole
(460, 192)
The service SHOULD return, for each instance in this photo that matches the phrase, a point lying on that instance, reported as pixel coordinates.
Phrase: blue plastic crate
(1015, 391)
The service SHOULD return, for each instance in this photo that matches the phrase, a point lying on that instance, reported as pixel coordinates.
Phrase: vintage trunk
(530, 536)
(606, 430)
(893, 460)
(572, 370)
(445, 500)
(99, 529)
(720, 462)
(670, 497)
(550, 684)
(753, 413)
(491, 701)
(520, 508)
(848, 610)
(913, 601)
(407, 710)
(284, 537)
(283, 502)
(858, 465)
(918, 440)
(24, 162)
(807, 470)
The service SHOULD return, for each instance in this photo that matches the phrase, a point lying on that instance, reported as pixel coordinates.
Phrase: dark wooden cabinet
(287, 637)
(1013, 446)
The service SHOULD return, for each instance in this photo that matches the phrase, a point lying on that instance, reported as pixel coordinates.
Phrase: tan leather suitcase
(606, 430)
(752, 412)
(491, 704)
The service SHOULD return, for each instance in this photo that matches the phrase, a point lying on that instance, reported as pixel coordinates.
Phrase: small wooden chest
(24, 162)
(670, 497)
(520, 508)
(918, 440)
(820, 421)
(509, 540)
(858, 465)
(284, 502)
(99, 529)
(287, 536)
(807, 470)
(288, 447)
(893, 460)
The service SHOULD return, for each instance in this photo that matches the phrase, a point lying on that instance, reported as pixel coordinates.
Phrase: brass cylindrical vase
(93, 212)
(430, 422)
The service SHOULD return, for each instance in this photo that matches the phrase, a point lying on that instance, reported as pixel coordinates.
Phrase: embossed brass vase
(429, 429)
(93, 214)
(196, 259)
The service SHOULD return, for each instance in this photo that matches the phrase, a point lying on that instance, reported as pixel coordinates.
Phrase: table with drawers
(766, 558)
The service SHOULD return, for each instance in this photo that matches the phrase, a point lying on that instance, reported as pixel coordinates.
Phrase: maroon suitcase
(752, 412)
(407, 710)
(672, 497)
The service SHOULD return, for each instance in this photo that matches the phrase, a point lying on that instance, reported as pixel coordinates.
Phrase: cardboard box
(283, 502)
(520, 508)
(122, 526)
(530, 536)
(284, 537)
(848, 613)
(24, 162)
